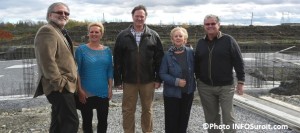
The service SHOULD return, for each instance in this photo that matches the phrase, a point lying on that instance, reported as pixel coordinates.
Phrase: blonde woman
(177, 73)
(95, 70)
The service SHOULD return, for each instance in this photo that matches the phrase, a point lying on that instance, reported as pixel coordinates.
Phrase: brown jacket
(55, 60)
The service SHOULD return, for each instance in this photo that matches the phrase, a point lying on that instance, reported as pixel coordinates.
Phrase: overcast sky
(236, 12)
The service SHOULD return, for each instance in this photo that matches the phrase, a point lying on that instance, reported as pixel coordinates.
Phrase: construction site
(271, 55)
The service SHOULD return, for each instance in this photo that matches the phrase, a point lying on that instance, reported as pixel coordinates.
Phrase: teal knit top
(95, 68)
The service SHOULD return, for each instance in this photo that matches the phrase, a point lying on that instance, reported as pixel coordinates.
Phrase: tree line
(10, 30)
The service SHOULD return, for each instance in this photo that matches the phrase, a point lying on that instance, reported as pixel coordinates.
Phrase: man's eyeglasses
(61, 13)
(212, 24)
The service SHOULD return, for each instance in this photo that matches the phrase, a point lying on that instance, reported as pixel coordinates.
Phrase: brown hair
(139, 7)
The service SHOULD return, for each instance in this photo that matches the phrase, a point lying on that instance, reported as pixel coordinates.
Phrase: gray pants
(214, 97)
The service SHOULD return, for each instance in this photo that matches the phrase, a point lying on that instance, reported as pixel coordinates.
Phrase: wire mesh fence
(18, 69)
(269, 67)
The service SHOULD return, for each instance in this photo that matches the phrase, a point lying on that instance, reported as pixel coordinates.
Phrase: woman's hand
(82, 95)
(110, 93)
(182, 82)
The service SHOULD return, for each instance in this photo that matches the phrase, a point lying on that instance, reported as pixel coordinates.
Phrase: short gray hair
(212, 16)
(186, 35)
(51, 7)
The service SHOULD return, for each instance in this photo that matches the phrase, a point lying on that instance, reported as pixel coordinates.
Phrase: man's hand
(240, 89)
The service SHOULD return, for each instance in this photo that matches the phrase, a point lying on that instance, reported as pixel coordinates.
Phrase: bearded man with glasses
(57, 69)
(217, 54)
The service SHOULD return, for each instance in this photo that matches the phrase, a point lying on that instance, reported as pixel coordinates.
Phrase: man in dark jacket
(137, 56)
(215, 57)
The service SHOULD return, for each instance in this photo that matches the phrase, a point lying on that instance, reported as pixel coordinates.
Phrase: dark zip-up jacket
(215, 60)
(137, 64)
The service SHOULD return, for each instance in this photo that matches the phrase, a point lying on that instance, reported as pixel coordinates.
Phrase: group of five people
(138, 67)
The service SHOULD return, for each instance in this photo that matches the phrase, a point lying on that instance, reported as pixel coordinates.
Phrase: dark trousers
(101, 105)
(64, 118)
(177, 113)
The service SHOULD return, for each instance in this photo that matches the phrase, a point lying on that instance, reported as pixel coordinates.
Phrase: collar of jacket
(55, 25)
(146, 30)
(133, 30)
(218, 36)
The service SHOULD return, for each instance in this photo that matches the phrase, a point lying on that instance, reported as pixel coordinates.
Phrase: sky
(231, 12)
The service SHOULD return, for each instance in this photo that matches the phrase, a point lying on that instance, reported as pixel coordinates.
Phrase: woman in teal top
(95, 70)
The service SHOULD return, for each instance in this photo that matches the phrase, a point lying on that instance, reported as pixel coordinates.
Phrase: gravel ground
(33, 116)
